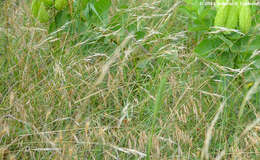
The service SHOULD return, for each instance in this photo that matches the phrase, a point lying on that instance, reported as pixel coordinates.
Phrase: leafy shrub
(56, 13)
(227, 35)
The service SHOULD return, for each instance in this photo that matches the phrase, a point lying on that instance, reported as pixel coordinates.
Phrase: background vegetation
(130, 85)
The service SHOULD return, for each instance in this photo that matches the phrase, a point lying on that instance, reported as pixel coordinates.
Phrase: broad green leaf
(95, 11)
(235, 36)
(207, 46)
(226, 41)
(102, 5)
(248, 45)
(255, 44)
(226, 59)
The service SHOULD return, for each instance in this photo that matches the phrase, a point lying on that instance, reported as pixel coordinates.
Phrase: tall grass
(157, 105)
(95, 94)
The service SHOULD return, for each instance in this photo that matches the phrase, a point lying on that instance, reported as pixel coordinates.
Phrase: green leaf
(95, 11)
(248, 45)
(235, 36)
(52, 27)
(101, 9)
(226, 59)
(205, 47)
(226, 41)
(255, 44)
(48, 2)
(102, 5)
(61, 18)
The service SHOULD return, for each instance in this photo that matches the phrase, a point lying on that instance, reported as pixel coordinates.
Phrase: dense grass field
(130, 89)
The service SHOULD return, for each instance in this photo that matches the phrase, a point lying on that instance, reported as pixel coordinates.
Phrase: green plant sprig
(57, 12)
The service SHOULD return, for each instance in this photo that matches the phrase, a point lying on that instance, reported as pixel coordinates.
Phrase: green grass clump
(102, 94)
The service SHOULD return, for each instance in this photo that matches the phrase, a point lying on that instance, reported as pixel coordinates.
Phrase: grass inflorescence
(102, 93)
